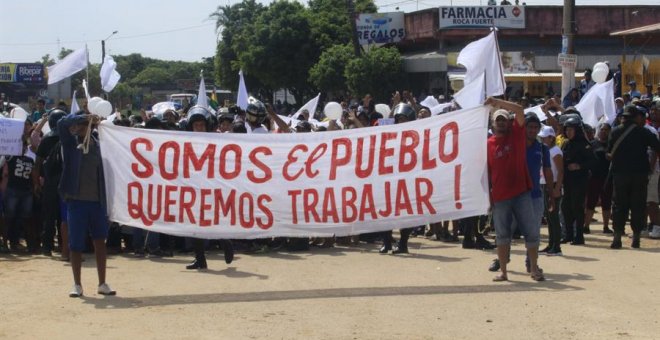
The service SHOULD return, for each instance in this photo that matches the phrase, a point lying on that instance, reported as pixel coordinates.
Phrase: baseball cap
(631, 110)
(547, 131)
(501, 113)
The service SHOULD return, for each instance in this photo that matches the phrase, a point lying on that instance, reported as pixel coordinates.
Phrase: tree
(47, 60)
(331, 23)
(328, 74)
(378, 72)
(281, 49)
(152, 76)
(63, 53)
(233, 24)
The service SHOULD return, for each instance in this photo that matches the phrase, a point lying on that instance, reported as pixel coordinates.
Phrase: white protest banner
(11, 133)
(210, 185)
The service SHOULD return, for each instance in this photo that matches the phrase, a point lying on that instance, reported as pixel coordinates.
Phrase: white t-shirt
(554, 151)
(260, 129)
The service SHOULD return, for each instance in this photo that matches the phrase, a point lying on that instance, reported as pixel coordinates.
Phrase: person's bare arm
(551, 120)
(559, 164)
(281, 124)
(509, 106)
(354, 119)
(549, 180)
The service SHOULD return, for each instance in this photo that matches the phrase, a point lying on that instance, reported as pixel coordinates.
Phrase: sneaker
(655, 233)
(77, 291)
(104, 289)
(554, 252)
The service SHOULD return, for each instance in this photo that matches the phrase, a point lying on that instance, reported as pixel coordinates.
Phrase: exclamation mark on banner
(457, 186)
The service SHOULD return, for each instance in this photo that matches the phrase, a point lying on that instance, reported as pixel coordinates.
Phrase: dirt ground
(439, 291)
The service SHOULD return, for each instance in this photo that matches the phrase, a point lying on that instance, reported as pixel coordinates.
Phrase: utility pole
(568, 47)
(351, 17)
(103, 46)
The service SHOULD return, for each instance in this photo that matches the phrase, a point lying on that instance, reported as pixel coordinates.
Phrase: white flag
(430, 102)
(438, 109)
(598, 102)
(201, 95)
(482, 56)
(310, 106)
(109, 76)
(74, 103)
(70, 65)
(537, 111)
(472, 94)
(242, 99)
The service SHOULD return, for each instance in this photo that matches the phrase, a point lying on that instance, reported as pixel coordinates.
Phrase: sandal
(500, 278)
(538, 276)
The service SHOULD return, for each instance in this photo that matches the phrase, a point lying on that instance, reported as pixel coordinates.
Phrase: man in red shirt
(511, 185)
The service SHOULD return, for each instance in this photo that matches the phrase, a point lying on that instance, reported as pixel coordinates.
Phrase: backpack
(53, 164)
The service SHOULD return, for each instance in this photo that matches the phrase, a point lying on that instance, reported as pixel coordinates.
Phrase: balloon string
(85, 143)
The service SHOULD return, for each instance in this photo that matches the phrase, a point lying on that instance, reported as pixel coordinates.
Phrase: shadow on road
(554, 283)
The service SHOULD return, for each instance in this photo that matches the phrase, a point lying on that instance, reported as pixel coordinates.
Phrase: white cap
(547, 131)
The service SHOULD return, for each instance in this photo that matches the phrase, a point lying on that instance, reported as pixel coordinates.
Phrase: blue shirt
(635, 93)
(538, 157)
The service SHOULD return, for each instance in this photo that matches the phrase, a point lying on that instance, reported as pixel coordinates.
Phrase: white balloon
(18, 113)
(600, 72)
(333, 110)
(383, 109)
(601, 65)
(103, 109)
(91, 104)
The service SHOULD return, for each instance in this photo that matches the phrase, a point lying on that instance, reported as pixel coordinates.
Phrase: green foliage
(330, 21)
(234, 24)
(277, 46)
(63, 53)
(378, 73)
(328, 74)
(281, 50)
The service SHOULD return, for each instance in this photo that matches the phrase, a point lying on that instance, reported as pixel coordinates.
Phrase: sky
(162, 29)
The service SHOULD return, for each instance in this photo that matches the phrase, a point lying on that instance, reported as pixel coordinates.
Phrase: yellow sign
(7, 72)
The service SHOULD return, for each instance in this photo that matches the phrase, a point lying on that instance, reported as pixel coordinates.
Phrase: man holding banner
(511, 186)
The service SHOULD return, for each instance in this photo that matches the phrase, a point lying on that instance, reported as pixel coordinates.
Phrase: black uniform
(576, 151)
(51, 172)
(630, 169)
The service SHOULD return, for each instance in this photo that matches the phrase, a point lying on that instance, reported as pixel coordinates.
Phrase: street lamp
(103, 46)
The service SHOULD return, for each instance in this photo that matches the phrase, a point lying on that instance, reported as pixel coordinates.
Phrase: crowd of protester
(555, 171)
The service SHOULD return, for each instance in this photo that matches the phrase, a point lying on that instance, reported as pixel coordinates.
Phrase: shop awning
(655, 28)
(543, 76)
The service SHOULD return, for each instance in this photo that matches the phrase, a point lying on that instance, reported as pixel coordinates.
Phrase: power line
(117, 38)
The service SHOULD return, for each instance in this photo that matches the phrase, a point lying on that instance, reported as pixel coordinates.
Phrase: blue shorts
(85, 219)
(522, 212)
(63, 211)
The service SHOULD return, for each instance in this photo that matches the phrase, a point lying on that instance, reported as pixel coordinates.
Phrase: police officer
(402, 113)
(627, 148)
(578, 159)
(255, 115)
(199, 120)
(49, 195)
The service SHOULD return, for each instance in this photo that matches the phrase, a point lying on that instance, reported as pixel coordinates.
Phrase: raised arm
(519, 113)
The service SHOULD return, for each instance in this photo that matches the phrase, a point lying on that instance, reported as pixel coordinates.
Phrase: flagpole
(87, 67)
